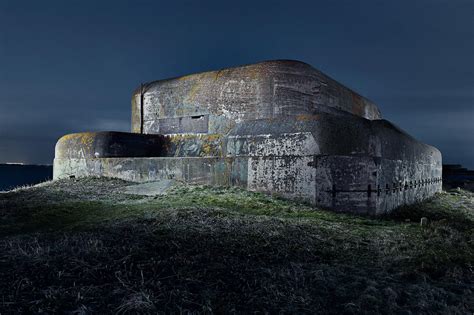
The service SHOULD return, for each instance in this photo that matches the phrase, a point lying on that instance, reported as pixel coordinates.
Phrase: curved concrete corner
(107, 144)
(74, 152)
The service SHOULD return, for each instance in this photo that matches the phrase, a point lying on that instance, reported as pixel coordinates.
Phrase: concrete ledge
(107, 144)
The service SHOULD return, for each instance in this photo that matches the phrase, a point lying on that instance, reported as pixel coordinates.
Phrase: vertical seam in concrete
(141, 108)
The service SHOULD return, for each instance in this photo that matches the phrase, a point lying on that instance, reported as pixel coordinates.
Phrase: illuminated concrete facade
(280, 127)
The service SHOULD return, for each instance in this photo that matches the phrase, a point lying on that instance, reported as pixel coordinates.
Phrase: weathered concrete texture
(108, 144)
(210, 170)
(213, 102)
(279, 127)
(342, 163)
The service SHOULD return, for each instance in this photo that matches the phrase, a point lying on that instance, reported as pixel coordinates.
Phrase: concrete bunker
(279, 127)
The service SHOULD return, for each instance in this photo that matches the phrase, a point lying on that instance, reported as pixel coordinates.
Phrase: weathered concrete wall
(279, 127)
(210, 170)
(343, 188)
(213, 102)
(344, 163)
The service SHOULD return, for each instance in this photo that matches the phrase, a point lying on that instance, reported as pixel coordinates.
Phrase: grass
(83, 246)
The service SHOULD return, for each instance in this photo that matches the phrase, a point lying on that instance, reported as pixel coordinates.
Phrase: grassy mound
(83, 246)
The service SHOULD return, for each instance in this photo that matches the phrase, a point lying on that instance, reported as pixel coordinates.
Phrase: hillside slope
(93, 246)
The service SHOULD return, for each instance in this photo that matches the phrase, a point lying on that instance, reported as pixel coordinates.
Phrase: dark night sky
(69, 66)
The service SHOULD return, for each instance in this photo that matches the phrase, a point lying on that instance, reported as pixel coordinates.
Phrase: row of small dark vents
(396, 187)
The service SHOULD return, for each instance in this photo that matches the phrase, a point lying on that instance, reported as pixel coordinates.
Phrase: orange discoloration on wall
(194, 90)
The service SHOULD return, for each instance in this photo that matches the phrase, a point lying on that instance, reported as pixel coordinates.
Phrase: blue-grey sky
(69, 66)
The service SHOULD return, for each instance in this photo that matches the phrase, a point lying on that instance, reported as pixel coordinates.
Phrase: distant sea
(15, 175)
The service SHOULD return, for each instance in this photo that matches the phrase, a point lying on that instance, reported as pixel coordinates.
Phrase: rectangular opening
(184, 124)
